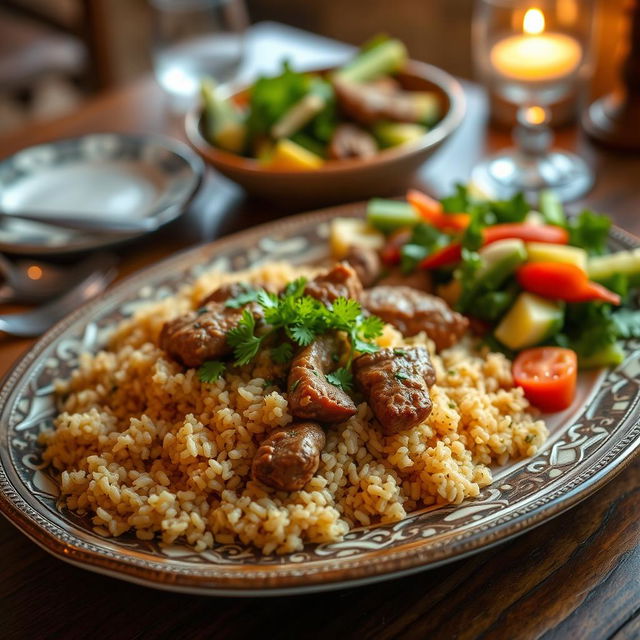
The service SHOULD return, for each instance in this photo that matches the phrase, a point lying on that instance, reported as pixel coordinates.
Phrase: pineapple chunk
(289, 156)
(352, 232)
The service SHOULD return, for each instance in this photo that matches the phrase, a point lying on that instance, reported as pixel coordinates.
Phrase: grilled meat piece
(368, 104)
(395, 383)
(339, 282)
(200, 335)
(412, 311)
(311, 395)
(289, 456)
(366, 263)
(419, 279)
(350, 141)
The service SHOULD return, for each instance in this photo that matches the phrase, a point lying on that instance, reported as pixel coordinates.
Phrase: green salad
(525, 276)
(299, 121)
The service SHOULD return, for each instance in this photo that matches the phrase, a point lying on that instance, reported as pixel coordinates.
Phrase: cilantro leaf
(342, 378)
(513, 210)
(344, 313)
(301, 334)
(282, 353)
(245, 344)
(210, 371)
(295, 288)
(371, 327)
(590, 231)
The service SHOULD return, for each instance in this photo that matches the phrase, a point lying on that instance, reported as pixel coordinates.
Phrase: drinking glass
(533, 53)
(193, 39)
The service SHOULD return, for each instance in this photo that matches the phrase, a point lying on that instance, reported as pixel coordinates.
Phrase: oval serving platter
(588, 444)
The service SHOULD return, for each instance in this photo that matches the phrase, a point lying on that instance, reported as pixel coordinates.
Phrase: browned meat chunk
(289, 456)
(350, 141)
(366, 263)
(198, 336)
(419, 279)
(340, 282)
(396, 384)
(368, 104)
(412, 311)
(225, 292)
(311, 395)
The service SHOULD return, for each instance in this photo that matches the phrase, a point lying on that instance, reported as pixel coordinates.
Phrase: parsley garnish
(245, 344)
(402, 376)
(211, 370)
(342, 378)
(399, 352)
(302, 318)
(294, 386)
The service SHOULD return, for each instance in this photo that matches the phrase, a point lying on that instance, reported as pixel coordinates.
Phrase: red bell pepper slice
(561, 281)
(526, 232)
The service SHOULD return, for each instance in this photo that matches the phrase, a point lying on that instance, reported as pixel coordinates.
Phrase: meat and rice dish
(285, 405)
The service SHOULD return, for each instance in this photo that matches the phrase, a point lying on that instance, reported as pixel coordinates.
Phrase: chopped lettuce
(590, 231)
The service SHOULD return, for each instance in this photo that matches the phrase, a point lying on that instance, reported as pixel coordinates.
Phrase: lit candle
(536, 56)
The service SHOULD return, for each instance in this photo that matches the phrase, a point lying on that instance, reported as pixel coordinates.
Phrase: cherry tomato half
(548, 376)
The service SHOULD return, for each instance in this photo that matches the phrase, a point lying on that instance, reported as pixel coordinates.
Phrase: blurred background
(55, 54)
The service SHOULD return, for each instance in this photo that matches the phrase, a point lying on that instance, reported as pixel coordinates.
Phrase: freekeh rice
(142, 445)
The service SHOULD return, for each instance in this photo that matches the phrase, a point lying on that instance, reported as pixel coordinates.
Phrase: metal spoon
(34, 323)
(96, 225)
(29, 281)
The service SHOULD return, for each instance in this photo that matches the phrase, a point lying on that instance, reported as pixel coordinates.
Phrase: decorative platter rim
(602, 436)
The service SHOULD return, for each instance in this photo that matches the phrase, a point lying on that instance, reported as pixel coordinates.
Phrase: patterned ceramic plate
(588, 444)
(108, 175)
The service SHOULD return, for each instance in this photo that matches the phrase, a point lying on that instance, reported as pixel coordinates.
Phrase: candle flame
(533, 22)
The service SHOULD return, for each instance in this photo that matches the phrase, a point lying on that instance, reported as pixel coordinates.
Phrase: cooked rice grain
(144, 446)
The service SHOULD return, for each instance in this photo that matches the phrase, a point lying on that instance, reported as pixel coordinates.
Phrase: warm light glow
(533, 22)
(535, 115)
(34, 272)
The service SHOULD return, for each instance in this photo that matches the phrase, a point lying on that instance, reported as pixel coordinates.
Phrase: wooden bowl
(386, 173)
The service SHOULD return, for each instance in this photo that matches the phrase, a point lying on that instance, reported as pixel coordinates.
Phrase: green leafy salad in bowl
(299, 121)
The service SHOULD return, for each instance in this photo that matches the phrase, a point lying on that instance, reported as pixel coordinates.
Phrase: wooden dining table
(576, 576)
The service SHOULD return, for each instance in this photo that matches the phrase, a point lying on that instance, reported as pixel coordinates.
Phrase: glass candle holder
(533, 53)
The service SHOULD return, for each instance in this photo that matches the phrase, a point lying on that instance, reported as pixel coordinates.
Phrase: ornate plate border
(594, 444)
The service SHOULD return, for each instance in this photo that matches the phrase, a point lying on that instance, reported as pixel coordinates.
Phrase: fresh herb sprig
(301, 319)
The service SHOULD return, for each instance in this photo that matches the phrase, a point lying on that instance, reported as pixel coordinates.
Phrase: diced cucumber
(546, 252)
(349, 232)
(531, 320)
(298, 115)
(223, 124)
(610, 356)
(389, 215)
(387, 57)
(499, 260)
(427, 105)
(392, 134)
(601, 268)
(534, 217)
(552, 209)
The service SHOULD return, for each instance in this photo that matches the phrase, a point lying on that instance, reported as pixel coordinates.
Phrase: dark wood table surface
(577, 576)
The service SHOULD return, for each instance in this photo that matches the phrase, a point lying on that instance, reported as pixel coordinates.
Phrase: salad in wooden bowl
(330, 134)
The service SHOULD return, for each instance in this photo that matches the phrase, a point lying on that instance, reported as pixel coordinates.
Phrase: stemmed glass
(193, 39)
(533, 53)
